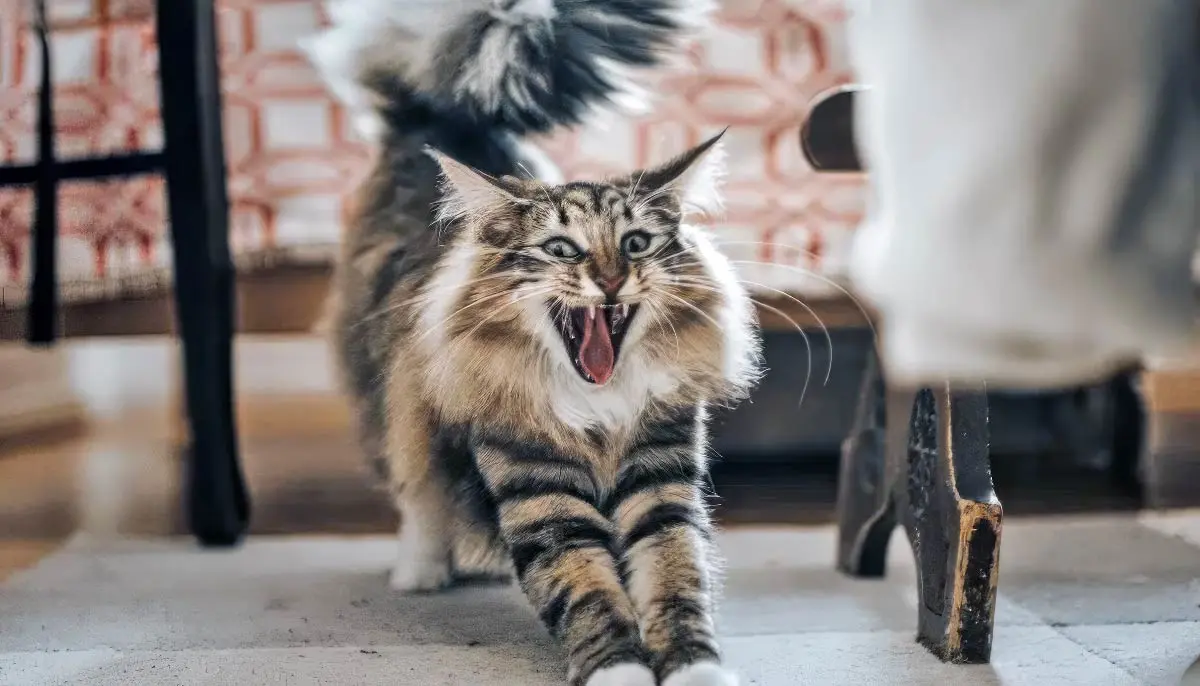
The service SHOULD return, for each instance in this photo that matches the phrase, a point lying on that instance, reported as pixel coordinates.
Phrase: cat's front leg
(562, 551)
(665, 536)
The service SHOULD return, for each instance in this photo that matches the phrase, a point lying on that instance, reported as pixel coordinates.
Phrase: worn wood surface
(920, 458)
(953, 520)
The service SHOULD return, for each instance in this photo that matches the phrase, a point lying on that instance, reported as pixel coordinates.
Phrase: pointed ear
(467, 192)
(692, 179)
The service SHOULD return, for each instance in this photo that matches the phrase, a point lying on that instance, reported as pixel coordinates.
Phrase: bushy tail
(525, 66)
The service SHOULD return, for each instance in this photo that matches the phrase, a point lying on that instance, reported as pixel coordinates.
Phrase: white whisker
(799, 329)
(502, 308)
(474, 303)
(425, 298)
(801, 303)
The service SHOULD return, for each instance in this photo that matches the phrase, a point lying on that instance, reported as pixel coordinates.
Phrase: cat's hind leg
(423, 562)
(479, 556)
(424, 503)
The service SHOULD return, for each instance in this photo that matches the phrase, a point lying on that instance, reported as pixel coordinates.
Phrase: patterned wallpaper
(292, 156)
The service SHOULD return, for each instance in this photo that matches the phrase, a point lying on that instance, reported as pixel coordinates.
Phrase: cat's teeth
(618, 317)
(591, 311)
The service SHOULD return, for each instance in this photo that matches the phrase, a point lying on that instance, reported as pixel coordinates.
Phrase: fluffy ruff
(532, 363)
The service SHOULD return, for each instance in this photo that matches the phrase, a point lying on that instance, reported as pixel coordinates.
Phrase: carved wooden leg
(866, 509)
(953, 520)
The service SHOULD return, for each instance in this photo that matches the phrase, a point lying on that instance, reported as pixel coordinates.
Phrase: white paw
(702, 674)
(420, 576)
(622, 675)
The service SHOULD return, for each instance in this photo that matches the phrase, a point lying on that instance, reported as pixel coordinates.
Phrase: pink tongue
(596, 352)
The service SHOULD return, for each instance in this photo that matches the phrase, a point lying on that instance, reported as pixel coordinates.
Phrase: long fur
(525, 66)
(451, 319)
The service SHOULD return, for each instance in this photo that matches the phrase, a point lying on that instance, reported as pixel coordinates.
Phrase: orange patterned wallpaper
(292, 156)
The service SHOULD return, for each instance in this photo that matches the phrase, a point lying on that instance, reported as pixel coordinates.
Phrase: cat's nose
(611, 285)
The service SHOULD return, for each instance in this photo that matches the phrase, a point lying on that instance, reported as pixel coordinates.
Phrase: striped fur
(452, 323)
(500, 454)
(502, 457)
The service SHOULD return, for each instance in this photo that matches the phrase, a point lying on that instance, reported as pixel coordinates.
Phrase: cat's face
(596, 272)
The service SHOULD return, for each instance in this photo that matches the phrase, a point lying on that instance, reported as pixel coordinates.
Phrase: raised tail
(525, 66)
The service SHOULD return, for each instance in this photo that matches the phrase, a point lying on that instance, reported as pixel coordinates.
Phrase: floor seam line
(1091, 651)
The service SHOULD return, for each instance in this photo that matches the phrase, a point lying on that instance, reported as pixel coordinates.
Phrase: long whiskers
(800, 270)
(660, 318)
(701, 285)
(532, 294)
(425, 297)
(474, 303)
(832, 283)
(811, 312)
(681, 301)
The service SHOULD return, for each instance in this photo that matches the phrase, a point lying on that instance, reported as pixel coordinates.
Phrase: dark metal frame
(193, 163)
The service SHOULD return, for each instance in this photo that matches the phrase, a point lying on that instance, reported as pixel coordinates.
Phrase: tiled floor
(1092, 601)
(1083, 601)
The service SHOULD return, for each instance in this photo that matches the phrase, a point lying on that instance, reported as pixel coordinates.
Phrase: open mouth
(593, 336)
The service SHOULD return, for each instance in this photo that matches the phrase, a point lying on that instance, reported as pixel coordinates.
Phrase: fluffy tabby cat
(532, 362)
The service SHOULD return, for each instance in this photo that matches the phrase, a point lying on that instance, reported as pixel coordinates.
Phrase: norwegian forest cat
(532, 362)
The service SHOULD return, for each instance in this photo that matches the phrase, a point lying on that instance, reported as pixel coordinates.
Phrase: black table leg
(217, 502)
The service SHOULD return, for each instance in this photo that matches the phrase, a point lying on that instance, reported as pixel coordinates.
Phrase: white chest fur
(617, 404)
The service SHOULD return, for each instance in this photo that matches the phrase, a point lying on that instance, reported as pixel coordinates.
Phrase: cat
(532, 363)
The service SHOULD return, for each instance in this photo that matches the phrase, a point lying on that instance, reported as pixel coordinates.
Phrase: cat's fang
(618, 318)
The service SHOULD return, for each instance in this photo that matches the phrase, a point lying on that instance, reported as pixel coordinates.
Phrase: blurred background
(90, 431)
(94, 433)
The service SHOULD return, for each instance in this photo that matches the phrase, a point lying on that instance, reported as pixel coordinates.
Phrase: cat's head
(601, 273)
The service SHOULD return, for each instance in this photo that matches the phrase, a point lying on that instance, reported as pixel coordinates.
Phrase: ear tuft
(467, 192)
(701, 183)
(693, 179)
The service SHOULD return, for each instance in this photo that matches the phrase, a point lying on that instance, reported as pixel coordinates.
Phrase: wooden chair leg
(866, 511)
(953, 520)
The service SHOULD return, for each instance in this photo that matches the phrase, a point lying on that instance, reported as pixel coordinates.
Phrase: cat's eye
(636, 244)
(562, 249)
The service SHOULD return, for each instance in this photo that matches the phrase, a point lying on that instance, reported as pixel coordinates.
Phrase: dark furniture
(192, 161)
(919, 458)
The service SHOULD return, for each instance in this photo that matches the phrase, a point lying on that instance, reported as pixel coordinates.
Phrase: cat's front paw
(629, 674)
(702, 674)
(420, 576)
